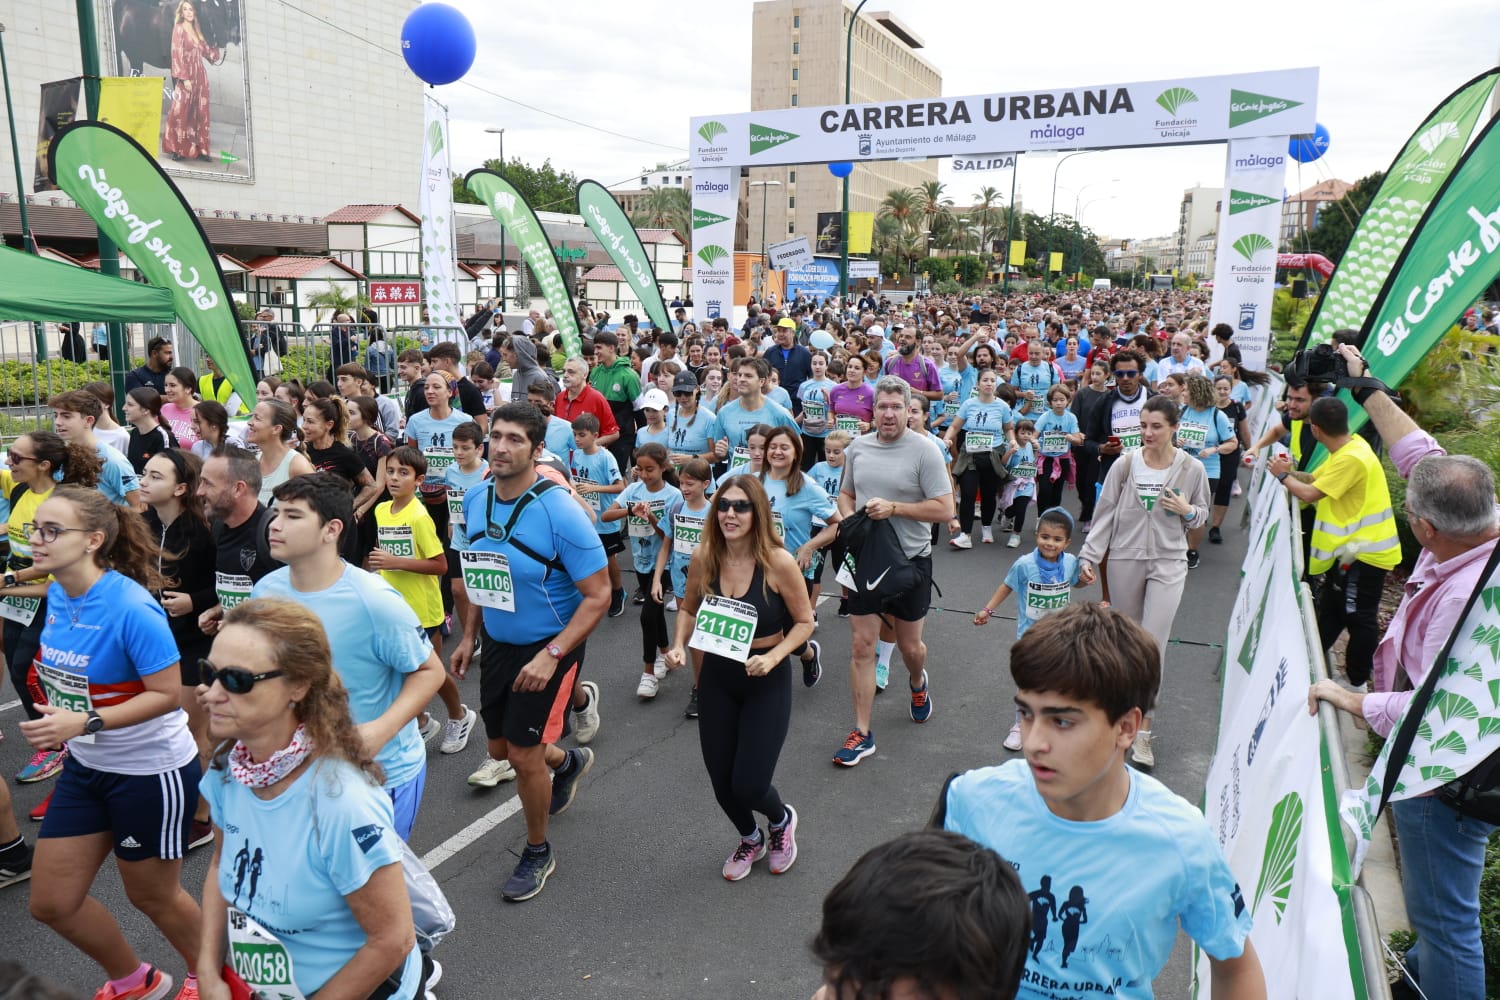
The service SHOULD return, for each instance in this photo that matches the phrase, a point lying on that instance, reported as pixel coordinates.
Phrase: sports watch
(94, 724)
(554, 649)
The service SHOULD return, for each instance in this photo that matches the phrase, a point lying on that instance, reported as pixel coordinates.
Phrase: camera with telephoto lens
(1320, 364)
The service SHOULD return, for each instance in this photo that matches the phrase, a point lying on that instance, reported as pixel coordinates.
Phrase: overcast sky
(643, 68)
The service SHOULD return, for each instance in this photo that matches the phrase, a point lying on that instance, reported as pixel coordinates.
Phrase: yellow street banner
(1055, 261)
(1017, 253)
(132, 104)
(861, 231)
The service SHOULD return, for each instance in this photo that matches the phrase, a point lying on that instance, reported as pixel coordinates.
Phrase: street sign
(795, 252)
(395, 292)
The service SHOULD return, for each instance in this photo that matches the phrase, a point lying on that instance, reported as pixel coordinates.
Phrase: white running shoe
(429, 730)
(1014, 543)
(1013, 738)
(648, 686)
(988, 535)
(456, 731)
(491, 773)
(586, 722)
(1140, 750)
(659, 668)
(672, 603)
(961, 541)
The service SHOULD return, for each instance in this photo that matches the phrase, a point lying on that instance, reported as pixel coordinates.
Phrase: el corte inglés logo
(763, 138)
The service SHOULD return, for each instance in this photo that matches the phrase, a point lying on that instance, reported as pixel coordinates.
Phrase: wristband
(1282, 478)
(988, 611)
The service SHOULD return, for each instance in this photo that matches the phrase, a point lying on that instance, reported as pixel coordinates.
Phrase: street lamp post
(764, 197)
(501, 133)
(844, 215)
(1047, 254)
(1077, 222)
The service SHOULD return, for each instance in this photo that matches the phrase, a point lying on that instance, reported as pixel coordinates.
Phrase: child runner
(1041, 579)
(1057, 432)
(654, 406)
(685, 516)
(815, 418)
(409, 556)
(468, 470)
(596, 476)
(1020, 459)
(1073, 814)
(828, 474)
(645, 502)
(755, 453)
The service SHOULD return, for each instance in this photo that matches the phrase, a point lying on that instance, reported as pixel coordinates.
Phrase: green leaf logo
(1488, 725)
(1437, 135)
(712, 254)
(1246, 107)
(1280, 860)
(1174, 98)
(434, 138)
(1438, 772)
(1452, 706)
(1494, 687)
(1424, 732)
(1251, 244)
(1245, 201)
(763, 138)
(1487, 635)
(711, 131)
(702, 218)
(1453, 742)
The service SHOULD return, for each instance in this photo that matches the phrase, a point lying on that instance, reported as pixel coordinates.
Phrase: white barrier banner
(715, 202)
(1154, 113)
(1266, 796)
(1249, 231)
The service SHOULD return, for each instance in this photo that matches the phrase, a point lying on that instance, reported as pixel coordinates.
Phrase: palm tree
(932, 204)
(335, 300)
(666, 208)
(901, 204)
(984, 214)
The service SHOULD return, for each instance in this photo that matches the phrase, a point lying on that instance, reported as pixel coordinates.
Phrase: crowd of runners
(226, 619)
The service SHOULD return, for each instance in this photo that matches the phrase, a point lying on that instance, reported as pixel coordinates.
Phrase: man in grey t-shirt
(893, 473)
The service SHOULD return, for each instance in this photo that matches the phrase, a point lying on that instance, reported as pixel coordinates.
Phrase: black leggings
(654, 636)
(980, 476)
(1017, 514)
(812, 451)
(21, 645)
(742, 726)
(1229, 472)
(1049, 491)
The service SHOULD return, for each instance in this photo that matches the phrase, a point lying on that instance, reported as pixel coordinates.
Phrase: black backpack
(875, 558)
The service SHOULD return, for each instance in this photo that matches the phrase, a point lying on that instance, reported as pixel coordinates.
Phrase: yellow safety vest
(222, 395)
(1368, 535)
(1296, 448)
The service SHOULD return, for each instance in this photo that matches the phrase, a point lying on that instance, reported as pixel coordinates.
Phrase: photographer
(1450, 504)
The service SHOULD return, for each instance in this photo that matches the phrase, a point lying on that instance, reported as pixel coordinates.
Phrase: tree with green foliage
(936, 209)
(1335, 227)
(544, 188)
(666, 208)
(902, 205)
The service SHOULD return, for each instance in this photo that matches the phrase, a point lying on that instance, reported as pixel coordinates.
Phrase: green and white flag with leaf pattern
(1459, 727)
(439, 267)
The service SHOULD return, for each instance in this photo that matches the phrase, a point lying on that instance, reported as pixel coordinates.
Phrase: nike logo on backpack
(872, 584)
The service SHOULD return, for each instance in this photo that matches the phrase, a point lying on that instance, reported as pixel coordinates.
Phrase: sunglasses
(738, 506)
(685, 394)
(234, 679)
(1126, 373)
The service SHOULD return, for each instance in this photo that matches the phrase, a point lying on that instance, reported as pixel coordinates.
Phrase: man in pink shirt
(1450, 507)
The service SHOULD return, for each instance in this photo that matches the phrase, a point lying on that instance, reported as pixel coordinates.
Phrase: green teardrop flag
(123, 190)
(520, 222)
(609, 224)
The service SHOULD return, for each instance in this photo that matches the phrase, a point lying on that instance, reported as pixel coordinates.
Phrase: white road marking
(472, 832)
(10, 705)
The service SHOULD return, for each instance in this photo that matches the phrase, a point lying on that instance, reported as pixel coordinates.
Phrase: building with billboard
(797, 59)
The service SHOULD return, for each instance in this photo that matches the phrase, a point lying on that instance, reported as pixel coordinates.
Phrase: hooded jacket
(526, 370)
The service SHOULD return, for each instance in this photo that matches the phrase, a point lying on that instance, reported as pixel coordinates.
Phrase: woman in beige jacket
(1150, 500)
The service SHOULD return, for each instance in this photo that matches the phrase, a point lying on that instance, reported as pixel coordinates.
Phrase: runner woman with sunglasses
(108, 665)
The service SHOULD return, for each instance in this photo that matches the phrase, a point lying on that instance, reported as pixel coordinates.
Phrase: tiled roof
(604, 272)
(294, 267)
(658, 235)
(366, 213)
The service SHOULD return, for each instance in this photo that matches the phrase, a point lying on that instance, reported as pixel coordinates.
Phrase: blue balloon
(438, 43)
(1307, 148)
(841, 168)
(822, 340)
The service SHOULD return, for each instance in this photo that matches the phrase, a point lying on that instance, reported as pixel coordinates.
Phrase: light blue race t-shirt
(689, 435)
(377, 641)
(1041, 587)
(118, 477)
(1106, 896)
(1052, 432)
(599, 469)
(733, 421)
(289, 863)
(794, 515)
(644, 542)
(1200, 429)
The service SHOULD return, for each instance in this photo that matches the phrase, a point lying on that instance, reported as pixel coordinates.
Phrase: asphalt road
(637, 907)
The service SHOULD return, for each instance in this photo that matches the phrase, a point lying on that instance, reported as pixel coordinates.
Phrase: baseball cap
(655, 399)
(787, 322)
(684, 382)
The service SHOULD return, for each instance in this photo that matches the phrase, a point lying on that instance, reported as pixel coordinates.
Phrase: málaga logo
(1437, 135)
(1245, 201)
(763, 138)
(711, 131)
(1251, 244)
(1174, 98)
(712, 254)
(1245, 106)
(702, 218)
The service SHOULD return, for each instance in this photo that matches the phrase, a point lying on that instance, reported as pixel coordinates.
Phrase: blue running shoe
(530, 875)
(857, 746)
(921, 702)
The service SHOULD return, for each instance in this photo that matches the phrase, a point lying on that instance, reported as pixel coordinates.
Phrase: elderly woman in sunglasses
(108, 667)
(305, 891)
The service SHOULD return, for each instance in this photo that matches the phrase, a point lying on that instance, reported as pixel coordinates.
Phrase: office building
(1300, 212)
(797, 59)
